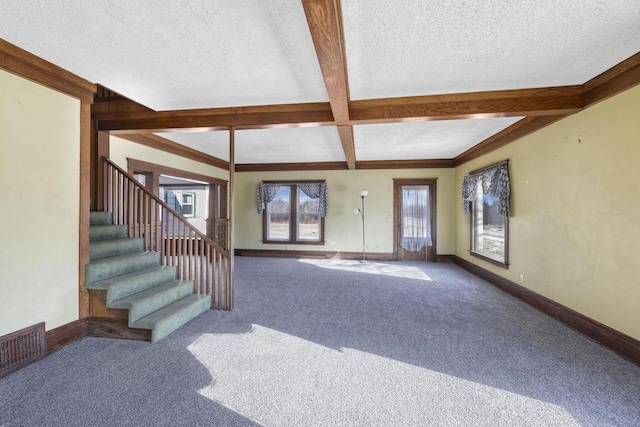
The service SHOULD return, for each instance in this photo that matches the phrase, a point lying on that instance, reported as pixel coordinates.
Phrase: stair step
(107, 232)
(171, 317)
(108, 248)
(100, 218)
(153, 299)
(128, 284)
(105, 268)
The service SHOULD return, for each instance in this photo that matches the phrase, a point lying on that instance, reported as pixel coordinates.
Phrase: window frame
(293, 220)
(192, 204)
(472, 229)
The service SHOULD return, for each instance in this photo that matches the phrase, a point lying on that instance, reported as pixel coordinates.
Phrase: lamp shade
(356, 211)
(364, 193)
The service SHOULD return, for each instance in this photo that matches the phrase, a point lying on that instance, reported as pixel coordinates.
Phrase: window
(486, 195)
(489, 229)
(293, 217)
(188, 202)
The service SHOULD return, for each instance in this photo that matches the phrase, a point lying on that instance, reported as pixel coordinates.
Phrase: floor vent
(22, 347)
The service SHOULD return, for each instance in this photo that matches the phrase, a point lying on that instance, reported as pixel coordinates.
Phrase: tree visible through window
(293, 217)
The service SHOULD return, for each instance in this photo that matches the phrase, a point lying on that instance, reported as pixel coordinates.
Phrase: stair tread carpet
(105, 268)
(118, 287)
(150, 300)
(171, 317)
(114, 247)
(107, 232)
(100, 218)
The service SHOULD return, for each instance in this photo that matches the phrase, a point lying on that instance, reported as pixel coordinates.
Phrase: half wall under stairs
(127, 282)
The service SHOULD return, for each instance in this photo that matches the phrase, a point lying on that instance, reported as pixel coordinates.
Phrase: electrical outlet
(522, 278)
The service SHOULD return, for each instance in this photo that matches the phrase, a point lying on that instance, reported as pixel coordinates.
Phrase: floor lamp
(360, 211)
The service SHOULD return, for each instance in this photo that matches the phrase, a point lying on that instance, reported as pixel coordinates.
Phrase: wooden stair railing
(164, 230)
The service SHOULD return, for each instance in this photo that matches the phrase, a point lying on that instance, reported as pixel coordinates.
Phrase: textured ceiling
(185, 54)
(170, 54)
(450, 46)
(280, 145)
(424, 140)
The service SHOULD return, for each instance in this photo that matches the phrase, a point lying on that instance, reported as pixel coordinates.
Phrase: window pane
(415, 212)
(278, 215)
(308, 217)
(489, 228)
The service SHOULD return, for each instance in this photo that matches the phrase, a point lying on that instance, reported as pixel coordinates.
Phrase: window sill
(504, 264)
(289, 242)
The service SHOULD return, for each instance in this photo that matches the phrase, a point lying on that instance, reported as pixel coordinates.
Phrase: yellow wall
(120, 150)
(343, 229)
(576, 212)
(39, 172)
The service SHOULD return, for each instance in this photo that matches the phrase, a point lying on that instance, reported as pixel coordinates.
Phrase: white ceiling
(183, 54)
(451, 46)
(279, 145)
(176, 54)
(424, 140)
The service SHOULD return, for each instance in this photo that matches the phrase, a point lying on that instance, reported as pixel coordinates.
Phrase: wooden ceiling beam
(348, 145)
(114, 117)
(258, 117)
(324, 18)
(325, 24)
(277, 167)
(506, 103)
(166, 145)
(615, 80)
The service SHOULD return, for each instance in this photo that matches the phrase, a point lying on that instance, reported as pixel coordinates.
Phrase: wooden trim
(110, 327)
(503, 162)
(445, 258)
(84, 204)
(624, 345)
(280, 167)
(66, 334)
(135, 166)
(163, 144)
(348, 145)
(432, 183)
(405, 164)
(516, 131)
(272, 253)
(615, 80)
(24, 64)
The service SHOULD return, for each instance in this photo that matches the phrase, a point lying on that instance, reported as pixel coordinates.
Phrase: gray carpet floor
(338, 343)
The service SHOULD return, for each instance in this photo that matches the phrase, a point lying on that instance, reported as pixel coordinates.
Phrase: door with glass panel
(415, 219)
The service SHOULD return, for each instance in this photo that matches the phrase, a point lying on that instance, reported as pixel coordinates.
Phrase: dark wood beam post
(232, 205)
(85, 205)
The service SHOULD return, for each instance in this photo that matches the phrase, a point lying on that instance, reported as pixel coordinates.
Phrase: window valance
(495, 183)
(267, 191)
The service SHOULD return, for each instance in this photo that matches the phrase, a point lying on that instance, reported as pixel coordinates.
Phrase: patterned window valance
(267, 191)
(495, 183)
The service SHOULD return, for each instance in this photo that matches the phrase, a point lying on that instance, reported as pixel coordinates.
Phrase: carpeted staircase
(135, 280)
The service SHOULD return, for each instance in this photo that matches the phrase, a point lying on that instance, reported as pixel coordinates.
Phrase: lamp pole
(363, 194)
